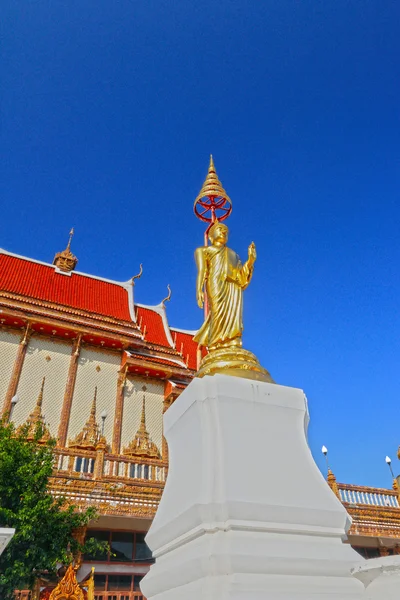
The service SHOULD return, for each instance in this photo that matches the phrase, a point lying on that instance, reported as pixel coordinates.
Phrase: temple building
(98, 369)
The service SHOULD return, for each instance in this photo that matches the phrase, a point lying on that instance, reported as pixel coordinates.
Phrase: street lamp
(103, 418)
(324, 451)
(389, 464)
(14, 401)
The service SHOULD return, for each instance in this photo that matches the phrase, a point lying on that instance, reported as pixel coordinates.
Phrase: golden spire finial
(71, 233)
(93, 409)
(90, 436)
(141, 445)
(65, 260)
(212, 187)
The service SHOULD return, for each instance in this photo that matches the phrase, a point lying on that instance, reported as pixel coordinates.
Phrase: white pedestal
(246, 514)
(6, 534)
(381, 577)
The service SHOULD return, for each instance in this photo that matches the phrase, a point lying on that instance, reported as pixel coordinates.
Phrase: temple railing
(112, 483)
(367, 496)
(88, 464)
(118, 596)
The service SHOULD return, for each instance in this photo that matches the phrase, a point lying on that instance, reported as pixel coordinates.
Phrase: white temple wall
(44, 358)
(133, 396)
(95, 368)
(9, 342)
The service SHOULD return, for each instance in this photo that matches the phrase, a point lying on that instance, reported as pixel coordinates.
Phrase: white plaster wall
(133, 396)
(95, 368)
(44, 358)
(8, 351)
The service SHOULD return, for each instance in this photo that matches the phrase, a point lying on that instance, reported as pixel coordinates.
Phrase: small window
(121, 546)
(136, 582)
(119, 583)
(101, 536)
(145, 471)
(100, 583)
(142, 551)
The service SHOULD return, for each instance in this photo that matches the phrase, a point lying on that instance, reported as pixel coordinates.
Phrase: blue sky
(109, 113)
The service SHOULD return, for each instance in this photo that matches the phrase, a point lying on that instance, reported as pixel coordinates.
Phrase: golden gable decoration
(68, 588)
(90, 437)
(142, 445)
(36, 418)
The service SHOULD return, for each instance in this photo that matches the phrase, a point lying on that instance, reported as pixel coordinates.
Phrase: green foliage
(43, 524)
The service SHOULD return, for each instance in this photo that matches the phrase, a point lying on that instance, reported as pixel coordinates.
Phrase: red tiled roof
(157, 359)
(152, 320)
(76, 291)
(186, 345)
(28, 278)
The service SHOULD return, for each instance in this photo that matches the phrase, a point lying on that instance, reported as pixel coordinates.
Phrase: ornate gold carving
(36, 418)
(65, 260)
(68, 588)
(141, 445)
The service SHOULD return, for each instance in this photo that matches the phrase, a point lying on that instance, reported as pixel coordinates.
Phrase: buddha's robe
(225, 279)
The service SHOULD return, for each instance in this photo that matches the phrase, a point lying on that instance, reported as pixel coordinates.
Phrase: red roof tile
(186, 345)
(155, 330)
(28, 278)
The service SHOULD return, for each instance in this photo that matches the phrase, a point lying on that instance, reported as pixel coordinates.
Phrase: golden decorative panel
(8, 352)
(36, 366)
(87, 378)
(133, 396)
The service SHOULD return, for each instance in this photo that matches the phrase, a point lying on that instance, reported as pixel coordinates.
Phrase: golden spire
(141, 445)
(331, 479)
(36, 418)
(89, 437)
(65, 260)
(212, 187)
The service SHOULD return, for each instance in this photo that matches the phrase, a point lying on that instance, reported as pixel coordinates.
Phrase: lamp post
(14, 401)
(389, 464)
(103, 419)
(324, 451)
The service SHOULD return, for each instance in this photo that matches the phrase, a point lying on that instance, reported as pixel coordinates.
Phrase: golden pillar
(69, 392)
(17, 369)
(119, 409)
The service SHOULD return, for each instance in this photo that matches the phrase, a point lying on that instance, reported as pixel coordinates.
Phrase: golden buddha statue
(221, 280)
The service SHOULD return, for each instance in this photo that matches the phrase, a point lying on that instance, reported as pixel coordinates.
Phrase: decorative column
(17, 369)
(69, 392)
(99, 461)
(119, 410)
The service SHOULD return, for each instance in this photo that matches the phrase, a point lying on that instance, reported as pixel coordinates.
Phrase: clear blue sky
(109, 113)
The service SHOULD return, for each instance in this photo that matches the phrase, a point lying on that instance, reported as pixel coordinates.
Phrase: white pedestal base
(246, 514)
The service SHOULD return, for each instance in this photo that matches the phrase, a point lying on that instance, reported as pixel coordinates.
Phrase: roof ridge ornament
(66, 261)
(168, 297)
(138, 276)
(142, 445)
